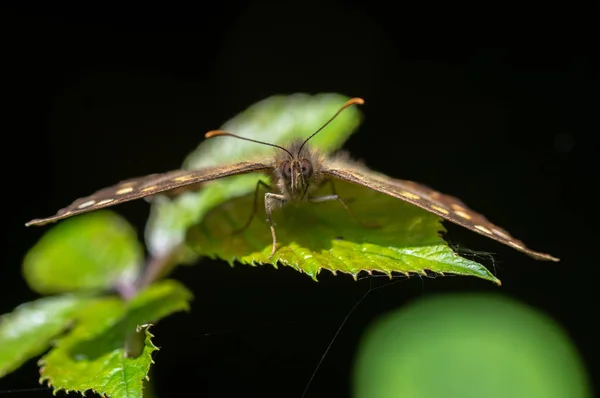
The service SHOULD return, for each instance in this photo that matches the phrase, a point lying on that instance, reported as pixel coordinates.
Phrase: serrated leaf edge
(147, 344)
(426, 272)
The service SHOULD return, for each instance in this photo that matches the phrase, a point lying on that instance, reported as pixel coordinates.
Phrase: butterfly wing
(141, 187)
(445, 206)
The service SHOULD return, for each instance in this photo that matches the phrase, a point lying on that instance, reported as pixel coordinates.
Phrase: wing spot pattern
(483, 229)
(86, 204)
(409, 195)
(123, 191)
(183, 178)
(462, 214)
(440, 209)
(105, 201)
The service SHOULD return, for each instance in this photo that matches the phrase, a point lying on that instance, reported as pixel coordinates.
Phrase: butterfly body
(296, 171)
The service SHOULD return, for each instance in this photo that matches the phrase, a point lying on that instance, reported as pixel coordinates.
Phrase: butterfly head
(296, 170)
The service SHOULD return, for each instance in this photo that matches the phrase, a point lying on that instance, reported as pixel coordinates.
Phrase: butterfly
(296, 172)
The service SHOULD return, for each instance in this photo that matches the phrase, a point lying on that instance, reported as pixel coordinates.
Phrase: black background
(491, 105)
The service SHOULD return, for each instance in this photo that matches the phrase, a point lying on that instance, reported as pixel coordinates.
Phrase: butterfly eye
(306, 168)
(286, 168)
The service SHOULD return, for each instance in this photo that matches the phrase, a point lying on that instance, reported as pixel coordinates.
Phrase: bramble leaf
(92, 251)
(101, 353)
(28, 330)
(316, 236)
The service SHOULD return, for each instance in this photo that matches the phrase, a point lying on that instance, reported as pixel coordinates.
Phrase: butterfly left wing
(445, 206)
(141, 187)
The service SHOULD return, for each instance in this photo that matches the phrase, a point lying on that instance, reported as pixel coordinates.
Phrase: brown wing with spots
(445, 206)
(141, 187)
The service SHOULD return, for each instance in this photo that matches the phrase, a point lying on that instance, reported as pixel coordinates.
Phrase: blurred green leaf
(101, 353)
(315, 236)
(276, 120)
(468, 346)
(91, 251)
(28, 331)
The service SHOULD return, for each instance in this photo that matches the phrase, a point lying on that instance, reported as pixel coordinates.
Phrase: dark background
(491, 105)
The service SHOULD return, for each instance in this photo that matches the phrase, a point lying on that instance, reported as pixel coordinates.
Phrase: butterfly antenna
(350, 102)
(216, 133)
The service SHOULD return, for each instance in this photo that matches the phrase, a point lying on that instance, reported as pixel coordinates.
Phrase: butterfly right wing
(152, 184)
(445, 206)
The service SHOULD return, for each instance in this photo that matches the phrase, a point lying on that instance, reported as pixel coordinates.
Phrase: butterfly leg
(258, 185)
(335, 196)
(273, 200)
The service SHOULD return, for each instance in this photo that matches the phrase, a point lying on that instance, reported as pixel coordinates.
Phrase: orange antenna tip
(350, 102)
(214, 133)
(355, 101)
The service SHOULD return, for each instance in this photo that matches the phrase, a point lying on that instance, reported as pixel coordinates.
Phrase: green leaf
(28, 331)
(467, 346)
(315, 236)
(101, 352)
(276, 120)
(92, 251)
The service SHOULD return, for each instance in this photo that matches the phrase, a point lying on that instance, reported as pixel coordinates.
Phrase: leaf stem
(158, 267)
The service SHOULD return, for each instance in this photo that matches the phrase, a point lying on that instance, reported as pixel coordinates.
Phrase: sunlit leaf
(101, 353)
(91, 251)
(276, 120)
(316, 236)
(28, 331)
